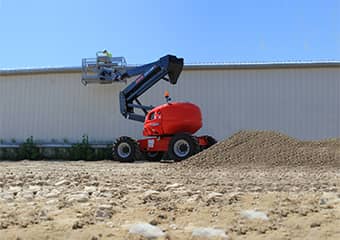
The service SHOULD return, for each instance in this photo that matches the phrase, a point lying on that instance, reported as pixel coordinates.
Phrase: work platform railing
(102, 69)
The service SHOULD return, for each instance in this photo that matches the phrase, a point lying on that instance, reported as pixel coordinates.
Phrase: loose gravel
(254, 185)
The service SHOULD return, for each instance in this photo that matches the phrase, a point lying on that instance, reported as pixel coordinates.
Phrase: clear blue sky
(38, 33)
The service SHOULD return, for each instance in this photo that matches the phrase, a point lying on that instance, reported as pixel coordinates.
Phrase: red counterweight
(172, 118)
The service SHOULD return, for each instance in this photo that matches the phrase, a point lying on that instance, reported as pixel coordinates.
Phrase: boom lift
(168, 128)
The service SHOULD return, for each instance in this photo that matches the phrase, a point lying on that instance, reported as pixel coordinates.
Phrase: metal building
(298, 99)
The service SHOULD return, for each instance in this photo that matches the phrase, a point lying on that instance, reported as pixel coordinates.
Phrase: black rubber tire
(131, 148)
(190, 144)
(153, 156)
(211, 141)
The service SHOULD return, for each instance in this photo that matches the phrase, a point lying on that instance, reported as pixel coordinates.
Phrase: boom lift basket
(98, 70)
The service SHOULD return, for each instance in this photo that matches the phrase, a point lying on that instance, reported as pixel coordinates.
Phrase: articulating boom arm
(150, 74)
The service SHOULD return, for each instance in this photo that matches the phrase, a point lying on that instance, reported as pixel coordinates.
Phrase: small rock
(94, 183)
(14, 190)
(53, 194)
(95, 194)
(150, 192)
(209, 233)
(12, 205)
(43, 214)
(82, 197)
(23, 224)
(284, 212)
(150, 195)
(173, 226)
(146, 230)
(242, 230)
(252, 214)
(34, 189)
(234, 197)
(90, 189)
(256, 189)
(52, 202)
(328, 199)
(18, 183)
(162, 216)
(77, 225)
(62, 182)
(104, 213)
(7, 197)
(4, 225)
(41, 193)
(193, 199)
(110, 224)
(181, 193)
(262, 229)
(105, 207)
(303, 211)
(165, 196)
(315, 224)
(172, 186)
(154, 222)
(105, 194)
(25, 195)
(323, 201)
(214, 195)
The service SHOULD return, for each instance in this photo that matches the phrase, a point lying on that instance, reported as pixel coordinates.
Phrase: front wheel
(125, 149)
(182, 146)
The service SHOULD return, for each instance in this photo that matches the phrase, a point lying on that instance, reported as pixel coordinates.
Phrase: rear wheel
(153, 156)
(182, 146)
(126, 149)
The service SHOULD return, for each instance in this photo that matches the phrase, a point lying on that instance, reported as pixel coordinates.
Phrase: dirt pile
(268, 148)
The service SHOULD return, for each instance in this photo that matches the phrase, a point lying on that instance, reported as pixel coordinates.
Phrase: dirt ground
(253, 185)
(104, 199)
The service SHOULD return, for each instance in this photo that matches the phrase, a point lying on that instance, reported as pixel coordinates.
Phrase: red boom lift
(168, 128)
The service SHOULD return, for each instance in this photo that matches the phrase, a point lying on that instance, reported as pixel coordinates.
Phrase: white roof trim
(212, 66)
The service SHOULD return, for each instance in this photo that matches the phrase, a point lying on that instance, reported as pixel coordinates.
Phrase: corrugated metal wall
(301, 102)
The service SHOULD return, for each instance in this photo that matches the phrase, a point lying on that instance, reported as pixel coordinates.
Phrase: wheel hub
(181, 148)
(124, 150)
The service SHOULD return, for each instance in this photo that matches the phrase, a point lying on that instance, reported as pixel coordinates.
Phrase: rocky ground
(254, 185)
(109, 200)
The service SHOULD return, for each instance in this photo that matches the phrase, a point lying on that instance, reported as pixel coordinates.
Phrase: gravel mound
(268, 148)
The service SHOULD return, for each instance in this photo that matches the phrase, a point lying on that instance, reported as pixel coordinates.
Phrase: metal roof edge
(44, 70)
(262, 65)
